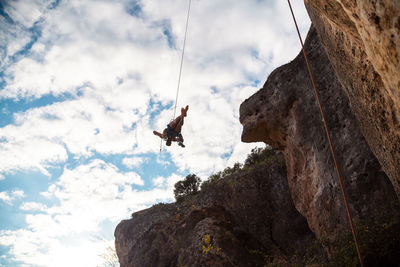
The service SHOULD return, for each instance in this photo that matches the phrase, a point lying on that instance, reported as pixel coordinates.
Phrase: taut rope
(330, 141)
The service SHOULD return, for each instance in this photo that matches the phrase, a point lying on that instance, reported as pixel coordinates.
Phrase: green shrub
(229, 171)
(188, 186)
(222, 174)
(258, 155)
(379, 244)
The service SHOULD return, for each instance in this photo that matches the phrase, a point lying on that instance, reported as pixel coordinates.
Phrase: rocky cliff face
(362, 40)
(284, 113)
(247, 219)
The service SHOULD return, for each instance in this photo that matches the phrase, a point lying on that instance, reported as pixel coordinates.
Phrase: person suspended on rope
(173, 131)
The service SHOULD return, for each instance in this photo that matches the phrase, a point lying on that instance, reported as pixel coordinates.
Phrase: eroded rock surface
(284, 114)
(362, 40)
(247, 219)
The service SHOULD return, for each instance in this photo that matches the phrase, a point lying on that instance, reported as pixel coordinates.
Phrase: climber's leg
(158, 134)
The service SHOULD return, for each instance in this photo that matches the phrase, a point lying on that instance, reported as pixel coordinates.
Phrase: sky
(83, 83)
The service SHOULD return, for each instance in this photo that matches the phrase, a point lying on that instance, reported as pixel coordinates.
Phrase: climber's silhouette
(173, 130)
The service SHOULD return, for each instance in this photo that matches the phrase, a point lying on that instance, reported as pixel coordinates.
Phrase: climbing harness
(181, 65)
(330, 141)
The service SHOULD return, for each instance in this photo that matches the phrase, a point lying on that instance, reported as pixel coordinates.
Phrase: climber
(173, 130)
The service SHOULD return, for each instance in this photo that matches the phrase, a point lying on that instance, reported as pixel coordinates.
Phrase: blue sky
(82, 86)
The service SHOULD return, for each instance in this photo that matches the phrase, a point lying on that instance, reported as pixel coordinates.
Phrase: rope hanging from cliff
(329, 140)
(183, 53)
(181, 65)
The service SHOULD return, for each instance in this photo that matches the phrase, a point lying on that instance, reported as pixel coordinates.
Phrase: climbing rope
(183, 53)
(330, 141)
(181, 65)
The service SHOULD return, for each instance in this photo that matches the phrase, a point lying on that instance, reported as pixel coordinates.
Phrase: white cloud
(25, 12)
(159, 181)
(89, 126)
(29, 154)
(89, 195)
(34, 248)
(17, 194)
(92, 43)
(9, 197)
(16, 32)
(4, 196)
(33, 206)
(133, 162)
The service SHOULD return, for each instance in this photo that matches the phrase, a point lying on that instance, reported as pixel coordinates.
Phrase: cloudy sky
(82, 85)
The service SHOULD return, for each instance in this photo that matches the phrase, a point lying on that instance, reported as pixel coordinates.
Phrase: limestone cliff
(284, 113)
(246, 219)
(362, 40)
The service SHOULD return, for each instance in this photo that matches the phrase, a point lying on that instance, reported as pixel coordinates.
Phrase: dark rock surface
(284, 114)
(246, 219)
(362, 40)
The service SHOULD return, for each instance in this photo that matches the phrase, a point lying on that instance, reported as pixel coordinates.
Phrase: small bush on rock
(258, 155)
(188, 186)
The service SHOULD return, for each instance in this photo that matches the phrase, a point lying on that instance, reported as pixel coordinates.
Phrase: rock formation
(284, 114)
(247, 219)
(362, 40)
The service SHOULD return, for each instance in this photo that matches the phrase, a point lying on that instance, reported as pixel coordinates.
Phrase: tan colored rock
(362, 40)
(284, 114)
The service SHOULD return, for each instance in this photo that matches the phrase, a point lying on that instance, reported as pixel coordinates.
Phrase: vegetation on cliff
(190, 185)
(242, 216)
(379, 244)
